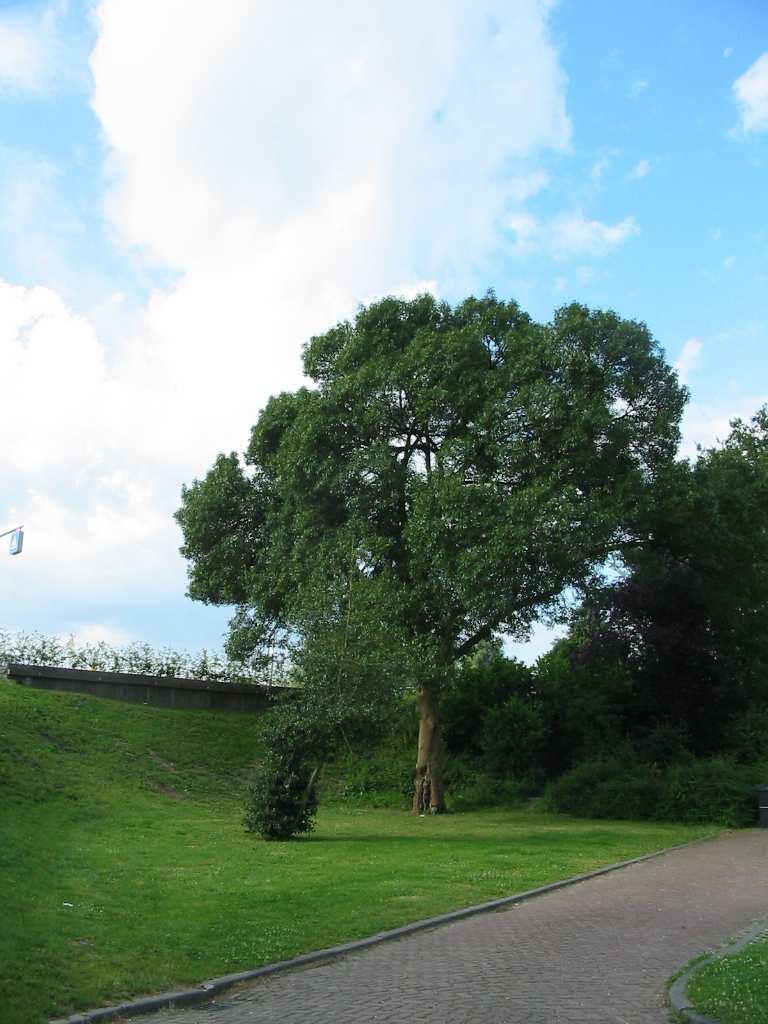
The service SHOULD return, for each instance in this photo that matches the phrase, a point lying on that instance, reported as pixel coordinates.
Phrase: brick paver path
(596, 953)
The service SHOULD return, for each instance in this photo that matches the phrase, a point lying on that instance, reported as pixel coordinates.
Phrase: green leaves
(474, 460)
(690, 621)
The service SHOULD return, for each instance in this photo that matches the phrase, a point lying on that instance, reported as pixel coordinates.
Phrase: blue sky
(184, 200)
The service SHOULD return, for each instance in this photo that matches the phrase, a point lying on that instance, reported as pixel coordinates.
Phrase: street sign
(17, 541)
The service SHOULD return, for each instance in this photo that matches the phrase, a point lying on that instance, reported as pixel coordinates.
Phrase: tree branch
(468, 645)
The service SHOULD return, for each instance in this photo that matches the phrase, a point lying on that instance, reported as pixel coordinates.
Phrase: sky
(189, 192)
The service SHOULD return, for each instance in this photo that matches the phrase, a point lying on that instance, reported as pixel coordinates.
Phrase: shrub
(585, 707)
(664, 744)
(513, 739)
(619, 787)
(717, 790)
(379, 777)
(282, 799)
(483, 682)
(746, 735)
(469, 788)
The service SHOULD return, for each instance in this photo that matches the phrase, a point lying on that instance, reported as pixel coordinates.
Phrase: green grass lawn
(734, 989)
(124, 868)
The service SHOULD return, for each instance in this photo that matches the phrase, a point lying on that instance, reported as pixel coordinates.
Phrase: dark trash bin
(762, 801)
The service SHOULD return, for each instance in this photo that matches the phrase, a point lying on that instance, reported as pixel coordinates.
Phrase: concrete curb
(678, 999)
(207, 989)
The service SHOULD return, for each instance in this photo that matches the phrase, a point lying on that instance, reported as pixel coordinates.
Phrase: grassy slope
(735, 988)
(131, 814)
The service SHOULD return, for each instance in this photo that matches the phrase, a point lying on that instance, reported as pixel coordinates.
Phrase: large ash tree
(452, 473)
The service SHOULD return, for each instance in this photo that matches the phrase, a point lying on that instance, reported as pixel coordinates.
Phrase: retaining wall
(162, 691)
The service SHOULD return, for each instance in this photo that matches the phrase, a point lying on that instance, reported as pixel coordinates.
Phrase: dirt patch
(167, 766)
(167, 790)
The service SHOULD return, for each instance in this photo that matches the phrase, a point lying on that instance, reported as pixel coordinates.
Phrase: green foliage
(716, 790)
(314, 722)
(481, 684)
(472, 788)
(380, 776)
(513, 740)
(690, 621)
(584, 706)
(281, 801)
(746, 734)
(452, 471)
(620, 787)
(665, 744)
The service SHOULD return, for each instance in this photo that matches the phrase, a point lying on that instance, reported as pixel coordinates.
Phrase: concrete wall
(157, 690)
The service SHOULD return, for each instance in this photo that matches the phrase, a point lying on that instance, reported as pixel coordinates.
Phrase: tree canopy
(690, 620)
(451, 472)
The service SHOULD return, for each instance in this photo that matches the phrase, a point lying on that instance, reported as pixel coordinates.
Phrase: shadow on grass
(536, 842)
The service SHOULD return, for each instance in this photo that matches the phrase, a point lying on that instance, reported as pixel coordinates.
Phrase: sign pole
(17, 539)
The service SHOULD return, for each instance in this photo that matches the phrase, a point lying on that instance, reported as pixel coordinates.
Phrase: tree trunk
(428, 794)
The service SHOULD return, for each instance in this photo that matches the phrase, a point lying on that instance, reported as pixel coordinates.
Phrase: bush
(378, 777)
(717, 790)
(282, 801)
(469, 788)
(619, 787)
(513, 739)
(746, 735)
(664, 744)
(585, 707)
(484, 682)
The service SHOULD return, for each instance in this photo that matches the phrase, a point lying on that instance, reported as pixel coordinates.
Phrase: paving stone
(596, 953)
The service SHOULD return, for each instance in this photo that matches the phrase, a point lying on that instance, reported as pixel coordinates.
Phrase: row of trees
(452, 473)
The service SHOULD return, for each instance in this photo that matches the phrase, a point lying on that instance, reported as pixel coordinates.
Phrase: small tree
(451, 472)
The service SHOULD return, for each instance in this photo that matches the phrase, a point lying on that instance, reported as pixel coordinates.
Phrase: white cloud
(30, 48)
(689, 359)
(286, 118)
(751, 92)
(574, 234)
(410, 291)
(524, 186)
(287, 162)
(23, 63)
(641, 170)
(526, 230)
(568, 235)
(98, 633)
(53, 359)
(706, 424)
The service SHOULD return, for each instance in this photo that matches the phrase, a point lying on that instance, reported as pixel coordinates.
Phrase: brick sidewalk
(596, 953)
